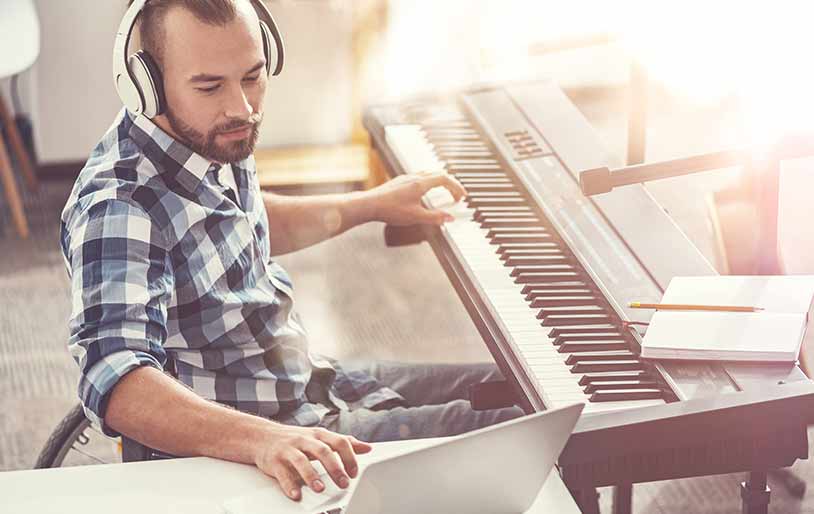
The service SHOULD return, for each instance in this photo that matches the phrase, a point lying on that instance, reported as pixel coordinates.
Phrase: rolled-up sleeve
(121, 282)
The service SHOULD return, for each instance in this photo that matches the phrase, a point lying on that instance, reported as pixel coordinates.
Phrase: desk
(195, 485)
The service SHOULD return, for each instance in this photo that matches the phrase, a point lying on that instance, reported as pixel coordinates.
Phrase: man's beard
(205, 145)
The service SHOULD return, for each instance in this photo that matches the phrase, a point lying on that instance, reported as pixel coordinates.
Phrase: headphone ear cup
(267, 48)
(147, 77)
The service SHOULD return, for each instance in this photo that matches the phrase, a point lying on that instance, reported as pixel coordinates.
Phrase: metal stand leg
(623, 499)
(587, 500)
(755, 494)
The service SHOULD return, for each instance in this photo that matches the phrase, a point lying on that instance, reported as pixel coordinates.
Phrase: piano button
(620, 384)
(593, 367)
(581, 346)
(599, 357)
(627, 395)
(566, 320)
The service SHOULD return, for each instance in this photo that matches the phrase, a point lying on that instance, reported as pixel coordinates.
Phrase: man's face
(214, 81)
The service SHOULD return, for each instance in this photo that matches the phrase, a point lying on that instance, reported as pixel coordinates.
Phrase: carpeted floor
(358, 298)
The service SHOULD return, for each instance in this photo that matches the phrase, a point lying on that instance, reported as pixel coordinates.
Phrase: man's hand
(398, 202)
(290, 450)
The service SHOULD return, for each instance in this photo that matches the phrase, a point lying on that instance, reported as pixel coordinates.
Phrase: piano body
(546, 273)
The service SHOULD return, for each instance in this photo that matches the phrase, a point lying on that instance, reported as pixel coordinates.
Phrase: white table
(179, 486)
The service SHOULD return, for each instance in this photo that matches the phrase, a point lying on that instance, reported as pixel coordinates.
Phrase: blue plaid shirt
(169, 270)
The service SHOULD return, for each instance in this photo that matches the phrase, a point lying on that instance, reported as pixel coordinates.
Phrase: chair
(19, 48)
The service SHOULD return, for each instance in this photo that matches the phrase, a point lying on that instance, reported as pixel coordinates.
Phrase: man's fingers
(342, 445)
(360, 446)
(288, 481)
(434, 216)
(305, 470)
(446, 180)
(322, 452)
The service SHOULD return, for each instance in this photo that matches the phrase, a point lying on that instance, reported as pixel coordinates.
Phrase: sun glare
(705, 51)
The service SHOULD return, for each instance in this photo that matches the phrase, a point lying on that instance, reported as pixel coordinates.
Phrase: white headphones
(138, 78)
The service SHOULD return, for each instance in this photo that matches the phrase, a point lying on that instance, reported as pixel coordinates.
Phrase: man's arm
(299, 222)
(154, 409)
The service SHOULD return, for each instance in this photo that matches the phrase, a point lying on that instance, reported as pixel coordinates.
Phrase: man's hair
(152, 31)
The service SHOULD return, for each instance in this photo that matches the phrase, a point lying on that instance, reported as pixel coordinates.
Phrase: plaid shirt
(167, 269)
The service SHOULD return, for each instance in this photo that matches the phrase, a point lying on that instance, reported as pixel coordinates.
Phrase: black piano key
(552, 245)
(611, 376)
(521, 231)
(488, 209)
(566, 320)
(564, 301)
(485, 163)
(589, 338)
(484, 176)
(593, 367)
(490, 223)
(599, 357)
(495, 202)
(454, 154)
(547, 268)
(482, 187)
(562, 289)
(494, 194)
(627, 395)
(590, 329)
(475, 168)
(590, 346)
(515, 260)
(587, 310)
(547, 278)
(533, 238)
(620, 384)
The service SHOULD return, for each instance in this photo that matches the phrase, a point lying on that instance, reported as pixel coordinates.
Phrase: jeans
(437, 402)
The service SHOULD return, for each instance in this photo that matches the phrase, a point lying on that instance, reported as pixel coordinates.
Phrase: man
(168, 241)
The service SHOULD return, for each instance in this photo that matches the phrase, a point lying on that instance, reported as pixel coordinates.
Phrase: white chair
(19, 48)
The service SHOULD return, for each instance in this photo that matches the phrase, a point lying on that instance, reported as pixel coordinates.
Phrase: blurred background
(719, 74)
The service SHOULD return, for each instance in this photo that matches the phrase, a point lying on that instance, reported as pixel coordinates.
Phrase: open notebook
(772, 334)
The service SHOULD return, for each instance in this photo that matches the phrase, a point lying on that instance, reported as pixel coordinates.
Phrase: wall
(70, 95)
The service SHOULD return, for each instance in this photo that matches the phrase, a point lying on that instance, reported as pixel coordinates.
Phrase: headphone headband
(137, 92)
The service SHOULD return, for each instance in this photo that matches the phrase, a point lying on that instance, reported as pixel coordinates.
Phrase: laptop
(495, 470)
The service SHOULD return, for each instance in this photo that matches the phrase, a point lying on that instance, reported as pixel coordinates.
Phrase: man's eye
(252, 79)
(207, 89)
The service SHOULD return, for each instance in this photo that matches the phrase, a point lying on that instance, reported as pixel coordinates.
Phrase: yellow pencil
(679, 307)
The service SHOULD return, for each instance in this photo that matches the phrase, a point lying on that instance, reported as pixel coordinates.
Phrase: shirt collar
(177, 164)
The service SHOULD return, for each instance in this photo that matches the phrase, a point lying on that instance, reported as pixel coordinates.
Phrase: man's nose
(237, 104)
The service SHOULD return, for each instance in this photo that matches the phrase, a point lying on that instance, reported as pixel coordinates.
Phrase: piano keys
(546, 274)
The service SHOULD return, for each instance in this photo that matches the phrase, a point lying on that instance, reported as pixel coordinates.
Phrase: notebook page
(788, 293)
(724, 335)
